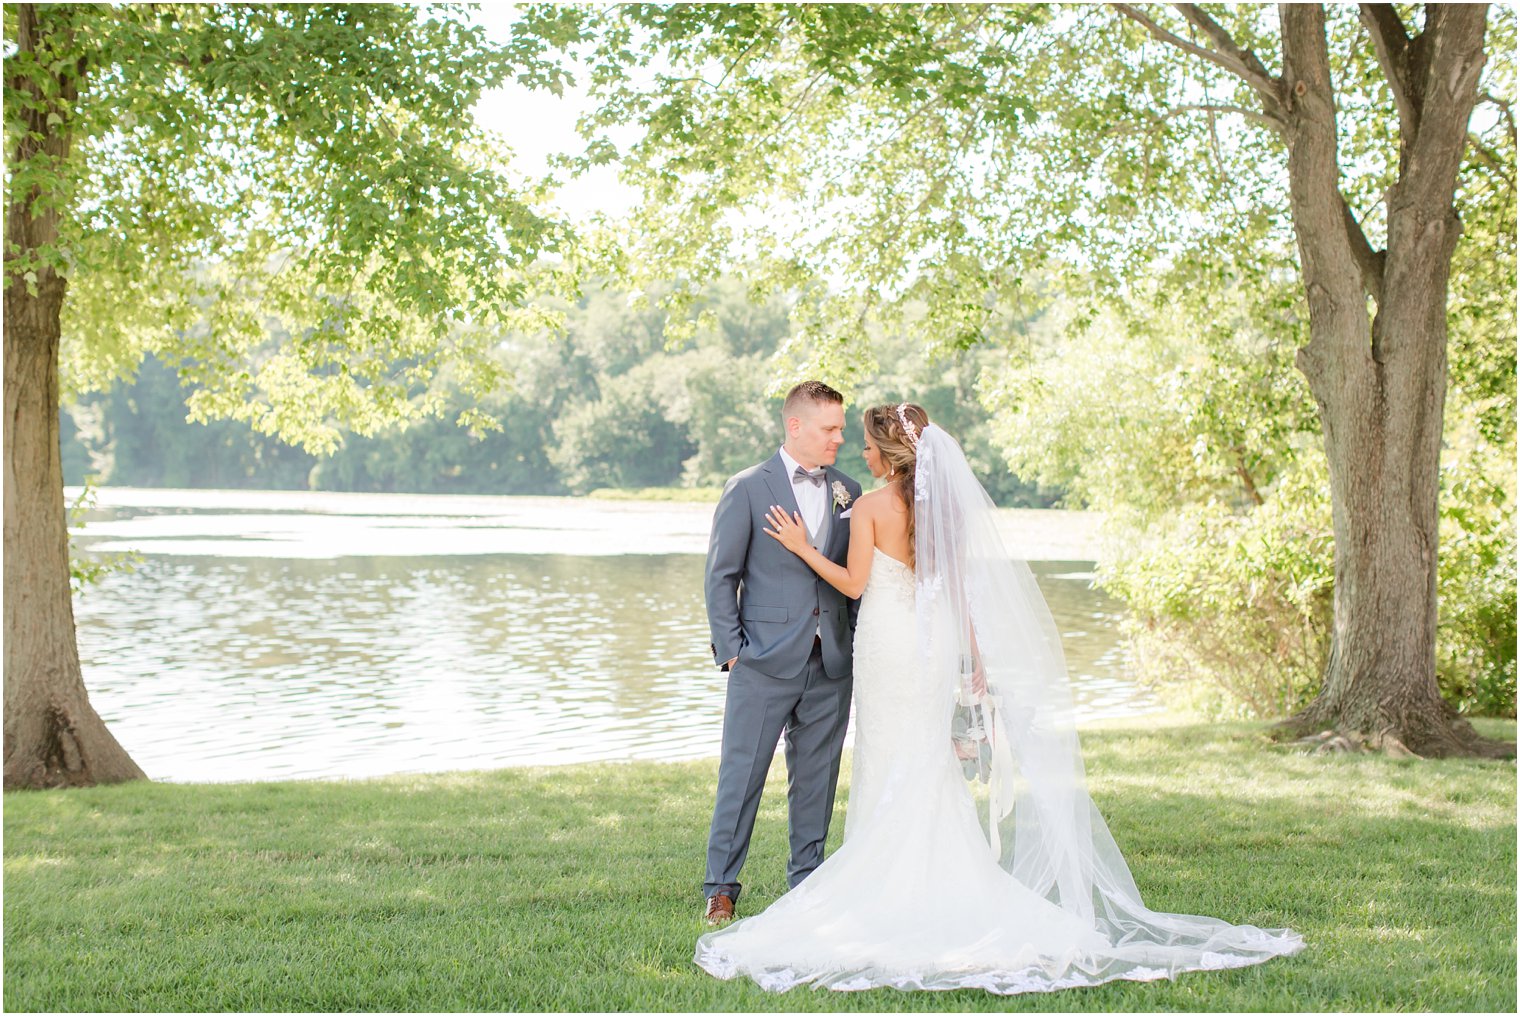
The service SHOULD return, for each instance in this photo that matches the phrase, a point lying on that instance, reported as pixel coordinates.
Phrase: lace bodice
(889, 577)
(884, 629)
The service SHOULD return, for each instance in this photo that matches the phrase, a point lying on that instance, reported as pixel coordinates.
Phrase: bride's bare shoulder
(874, 500)
(882, 505)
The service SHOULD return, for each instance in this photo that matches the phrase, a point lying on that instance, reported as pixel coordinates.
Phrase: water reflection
(260, 667)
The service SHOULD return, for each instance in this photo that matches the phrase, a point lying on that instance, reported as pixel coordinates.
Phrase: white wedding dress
(923, 896)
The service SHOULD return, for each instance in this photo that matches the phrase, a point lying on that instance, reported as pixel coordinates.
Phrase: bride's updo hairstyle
(898, 445)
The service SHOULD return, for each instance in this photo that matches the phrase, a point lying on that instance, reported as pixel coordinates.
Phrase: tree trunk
(1380, 382)
(53, 737)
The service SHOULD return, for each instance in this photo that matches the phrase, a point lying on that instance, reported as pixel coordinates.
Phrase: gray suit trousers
(812, 711)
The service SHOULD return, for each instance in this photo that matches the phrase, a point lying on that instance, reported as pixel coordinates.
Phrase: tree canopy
(288, 203)
(1221, 190)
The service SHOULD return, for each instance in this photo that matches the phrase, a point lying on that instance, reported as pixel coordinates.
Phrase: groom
(784, 636)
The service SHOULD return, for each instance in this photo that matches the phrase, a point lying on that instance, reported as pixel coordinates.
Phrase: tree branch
(1445, 66)
(1227, 44)
(1489, 159)
(1172, 112)
(1246, 479)
(729, 70)
(1265, 85)
(796, 106)
(1370, 262)
(1391, 42)
(793, 109)
(1504, 110)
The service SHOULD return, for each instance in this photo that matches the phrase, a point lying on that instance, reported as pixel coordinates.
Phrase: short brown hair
(808, 391)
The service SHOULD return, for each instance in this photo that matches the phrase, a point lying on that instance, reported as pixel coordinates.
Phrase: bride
(973, 856)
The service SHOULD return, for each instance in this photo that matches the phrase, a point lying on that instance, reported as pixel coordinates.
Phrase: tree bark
(53, 737)
(1379, 378)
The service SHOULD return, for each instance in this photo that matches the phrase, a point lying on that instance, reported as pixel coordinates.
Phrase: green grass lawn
(578, 888)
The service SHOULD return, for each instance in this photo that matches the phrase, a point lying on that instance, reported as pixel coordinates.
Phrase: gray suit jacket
(763, 603)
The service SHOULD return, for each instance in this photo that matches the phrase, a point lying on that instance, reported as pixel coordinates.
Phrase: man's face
(814, 435)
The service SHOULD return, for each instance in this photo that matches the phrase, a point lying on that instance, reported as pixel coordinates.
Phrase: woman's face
(872, 456)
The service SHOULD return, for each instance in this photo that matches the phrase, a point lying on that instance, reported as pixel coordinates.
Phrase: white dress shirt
(812, 498)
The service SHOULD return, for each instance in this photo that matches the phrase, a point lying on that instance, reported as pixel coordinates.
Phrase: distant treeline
(606, 404)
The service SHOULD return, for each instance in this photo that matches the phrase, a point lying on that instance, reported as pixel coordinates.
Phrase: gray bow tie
(814, 477)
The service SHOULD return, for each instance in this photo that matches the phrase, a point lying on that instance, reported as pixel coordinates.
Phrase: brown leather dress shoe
(720, 909)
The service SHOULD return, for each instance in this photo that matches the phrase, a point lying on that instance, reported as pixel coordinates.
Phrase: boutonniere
(841, 496)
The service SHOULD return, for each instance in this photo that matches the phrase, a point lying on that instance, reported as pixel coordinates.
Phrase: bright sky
(538, 124)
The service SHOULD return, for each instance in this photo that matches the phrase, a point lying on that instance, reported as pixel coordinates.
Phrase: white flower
(841, 495)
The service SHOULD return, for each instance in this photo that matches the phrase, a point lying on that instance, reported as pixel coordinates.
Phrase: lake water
(282, 635)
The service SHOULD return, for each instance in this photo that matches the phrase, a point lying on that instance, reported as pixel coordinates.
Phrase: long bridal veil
(978, 609)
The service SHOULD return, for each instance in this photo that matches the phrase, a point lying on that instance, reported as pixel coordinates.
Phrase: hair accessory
(908, 426)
